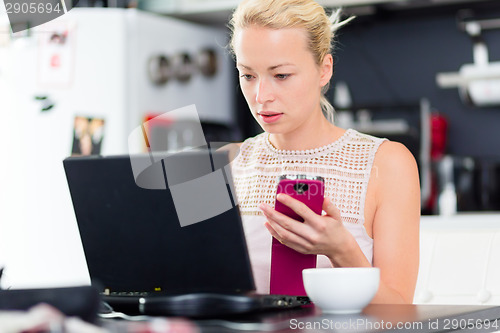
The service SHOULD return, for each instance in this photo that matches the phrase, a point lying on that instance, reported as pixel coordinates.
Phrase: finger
(287, 230)
(273, 232)
(297, 206)
(288, 238)
(284, 221)
(332, 210)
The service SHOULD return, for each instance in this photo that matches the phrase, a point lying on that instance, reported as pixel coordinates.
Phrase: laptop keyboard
(284, 301)
(127, 293)
(196, 304)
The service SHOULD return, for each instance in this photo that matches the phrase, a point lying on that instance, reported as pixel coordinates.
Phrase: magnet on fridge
(159, 69)
(56, 57)
(206, 61)
(183, 67)
(47, 103)
(88, 134)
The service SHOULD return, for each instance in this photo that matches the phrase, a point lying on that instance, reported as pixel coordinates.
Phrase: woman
(372, 195)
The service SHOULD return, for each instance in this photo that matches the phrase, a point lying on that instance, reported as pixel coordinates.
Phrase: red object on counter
(439, 136)
(438, 144)
(152, 120)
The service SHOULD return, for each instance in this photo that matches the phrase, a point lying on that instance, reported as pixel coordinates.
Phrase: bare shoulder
(395, 169)
(232, 148)
(395, 157)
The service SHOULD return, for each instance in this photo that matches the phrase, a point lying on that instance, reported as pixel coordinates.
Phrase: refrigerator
(106, 70)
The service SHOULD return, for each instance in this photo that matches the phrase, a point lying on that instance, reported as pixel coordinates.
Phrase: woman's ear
(326, 70)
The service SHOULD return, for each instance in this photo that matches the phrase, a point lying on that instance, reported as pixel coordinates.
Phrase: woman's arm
(396, 223)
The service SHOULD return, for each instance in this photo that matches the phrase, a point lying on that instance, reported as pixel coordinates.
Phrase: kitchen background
(102, 71)
(391, 60)
(388, 60)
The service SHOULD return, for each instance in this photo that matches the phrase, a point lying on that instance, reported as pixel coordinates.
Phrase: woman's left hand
(318, 234)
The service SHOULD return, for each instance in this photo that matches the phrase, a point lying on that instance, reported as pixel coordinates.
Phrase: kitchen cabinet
(219, 11)
(200, 6)
(459, 257)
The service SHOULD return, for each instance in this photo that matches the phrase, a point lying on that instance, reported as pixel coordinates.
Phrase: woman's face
(279, 78)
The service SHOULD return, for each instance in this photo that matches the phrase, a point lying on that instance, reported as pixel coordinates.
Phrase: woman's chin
(272, 128)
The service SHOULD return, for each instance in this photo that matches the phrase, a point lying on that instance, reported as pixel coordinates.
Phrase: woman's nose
(264, 92)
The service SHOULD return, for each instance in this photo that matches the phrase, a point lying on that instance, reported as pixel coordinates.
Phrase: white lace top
(345, 166)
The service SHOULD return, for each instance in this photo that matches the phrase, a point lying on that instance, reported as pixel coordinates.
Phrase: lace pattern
(344, 164)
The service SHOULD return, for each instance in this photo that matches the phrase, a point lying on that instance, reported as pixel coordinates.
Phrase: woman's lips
(269, 117)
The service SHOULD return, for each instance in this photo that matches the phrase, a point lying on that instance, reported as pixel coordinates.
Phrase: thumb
(332, 210)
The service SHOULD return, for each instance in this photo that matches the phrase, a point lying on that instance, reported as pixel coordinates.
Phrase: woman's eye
(247, 77)
(282, 76)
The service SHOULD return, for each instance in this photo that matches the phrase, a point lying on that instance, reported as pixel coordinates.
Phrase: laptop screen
(134, 237)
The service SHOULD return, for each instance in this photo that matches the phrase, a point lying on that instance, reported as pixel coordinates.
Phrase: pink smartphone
(307, 189)
(286, 263)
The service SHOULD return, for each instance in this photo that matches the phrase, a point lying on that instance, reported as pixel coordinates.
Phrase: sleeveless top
(345, 165)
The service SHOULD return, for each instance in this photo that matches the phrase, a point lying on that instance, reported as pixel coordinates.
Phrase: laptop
(156, 242)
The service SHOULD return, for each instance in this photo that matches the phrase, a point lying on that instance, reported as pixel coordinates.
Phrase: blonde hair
(305, 14)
